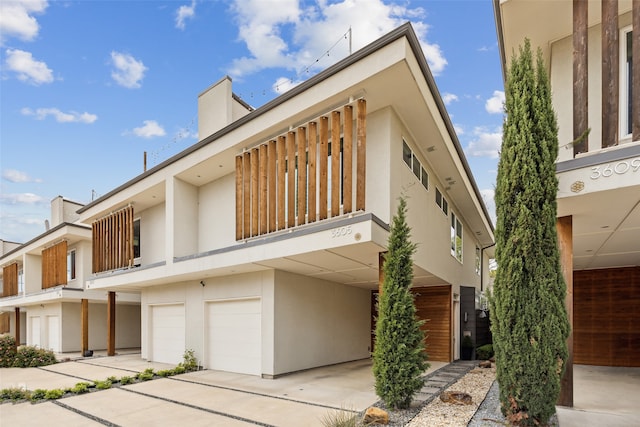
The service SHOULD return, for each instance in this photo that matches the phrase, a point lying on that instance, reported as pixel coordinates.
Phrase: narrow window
(20, 281)
(628, 82)
(71, 265)
(406, 153)
(136, 240)
(478, 260)
(445, 206)
(456, 237)
(438, 198)
(425, 179)
(416, 166)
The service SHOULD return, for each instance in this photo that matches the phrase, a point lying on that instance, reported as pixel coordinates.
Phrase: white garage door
(35, 331)
(53, 326)
(167, 333)
(234, 336)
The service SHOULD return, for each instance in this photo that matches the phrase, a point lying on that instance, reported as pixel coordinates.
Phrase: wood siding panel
(580, 75)
(291, 179)
(323, 168)
(606, 317)
(112, 241)
(301, 195)
(313, 158)
(255, 192)
(264, 189)
(336, 177)
(347, 156)
(10, 280)
(246, 191)
(361, 154)
(54, 265)
(610, 73)
(282, 164)
(272, 160)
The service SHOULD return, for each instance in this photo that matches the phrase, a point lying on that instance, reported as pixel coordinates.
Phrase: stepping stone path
(437, 381)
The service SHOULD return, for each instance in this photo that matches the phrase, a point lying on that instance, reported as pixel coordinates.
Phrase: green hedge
(26, 356)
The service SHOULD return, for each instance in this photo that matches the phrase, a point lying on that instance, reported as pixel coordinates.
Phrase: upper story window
(21, 281)
(71, 265)
(627, 45)
(478, 261)
(456, 237)
(410, 159)
(442, 202)
(136, 240)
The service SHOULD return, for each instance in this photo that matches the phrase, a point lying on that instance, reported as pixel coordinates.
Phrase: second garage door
(167, 333)
(234, 336)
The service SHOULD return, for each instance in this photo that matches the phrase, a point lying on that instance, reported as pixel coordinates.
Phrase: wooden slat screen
(433, 304)
(113, 241)
(54, 265)
(294, 179)
(10, 280)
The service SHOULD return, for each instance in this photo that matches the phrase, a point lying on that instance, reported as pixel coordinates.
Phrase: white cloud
(183, 13)
(150, 129)
(459, 129)
(495, 104)
(60, 116)
(448, 98)
(313, 29)
(16, 19)
(27, 68)
(128, 71)
(22, 198)
(17, 176)
(485, 143)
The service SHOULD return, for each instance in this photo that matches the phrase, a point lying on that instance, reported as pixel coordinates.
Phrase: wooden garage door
(433, 304)
(167, 333)
(606, 317)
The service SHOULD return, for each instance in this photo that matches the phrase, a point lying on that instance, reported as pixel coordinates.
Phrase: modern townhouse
(592, 52)
(260, 246)
(44, 302)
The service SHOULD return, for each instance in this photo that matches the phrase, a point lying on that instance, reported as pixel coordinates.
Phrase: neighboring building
(44, 302)
(592, 50)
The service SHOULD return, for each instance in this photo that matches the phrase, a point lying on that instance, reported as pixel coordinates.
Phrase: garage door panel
(234, 335)
(433, 304)
(167, 333)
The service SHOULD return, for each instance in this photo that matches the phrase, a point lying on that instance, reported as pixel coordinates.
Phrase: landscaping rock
(375, 415)
(456, 397)
(485, 364)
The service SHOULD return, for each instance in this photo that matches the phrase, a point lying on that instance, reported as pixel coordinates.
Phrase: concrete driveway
(202, 398)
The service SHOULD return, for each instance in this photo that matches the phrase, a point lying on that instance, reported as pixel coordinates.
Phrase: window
(71, 265)
(478, 260)
(442, 202)
(456, 237)
(136, 239)
(20, 281)
(410, 159)
(626, 98)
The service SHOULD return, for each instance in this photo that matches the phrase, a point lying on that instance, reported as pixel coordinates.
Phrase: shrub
(484, 352)
(53, 394)
(179, 370)
(113, 379)
(7, 350)
(146, 375)
(80, 388)
(13, 394)
(126, 380)
(189, 361)
(165, 373)
(29, 356)
(103, 385)
(340, 418)
(38, 394)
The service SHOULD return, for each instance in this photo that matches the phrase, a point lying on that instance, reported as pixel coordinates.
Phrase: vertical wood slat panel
(347, 160)
(112, 242)
(246, 178)
(361, 154)
(291, 179)
(264, 189)
(272, 185)
(335, 163)
(10, 280)
(580, 74)
(610, 73)
(255, 192)
(635, 57)
(282, 154)
(313, 153)
(324, 153)
(302, 175)
(239, 198)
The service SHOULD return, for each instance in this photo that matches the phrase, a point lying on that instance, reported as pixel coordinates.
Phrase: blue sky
(86, 87)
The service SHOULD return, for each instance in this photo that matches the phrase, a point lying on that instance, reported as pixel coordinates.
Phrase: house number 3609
(618, 168)
(341, 231)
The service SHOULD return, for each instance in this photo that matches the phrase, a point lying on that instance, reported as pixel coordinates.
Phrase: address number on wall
(618, 168)
(341, 231)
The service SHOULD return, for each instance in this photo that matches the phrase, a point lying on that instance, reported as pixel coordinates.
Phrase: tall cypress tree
(529, 319)
(399, 357)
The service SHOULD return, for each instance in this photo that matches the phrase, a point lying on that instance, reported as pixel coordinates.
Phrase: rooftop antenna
(349, 39)
(46, 225)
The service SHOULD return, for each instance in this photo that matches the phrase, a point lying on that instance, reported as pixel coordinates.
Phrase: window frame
(138, 246)
(478, 261)
(626, 83)
(414, 164)
(457, 230)
(71, 265)
(442, 204)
